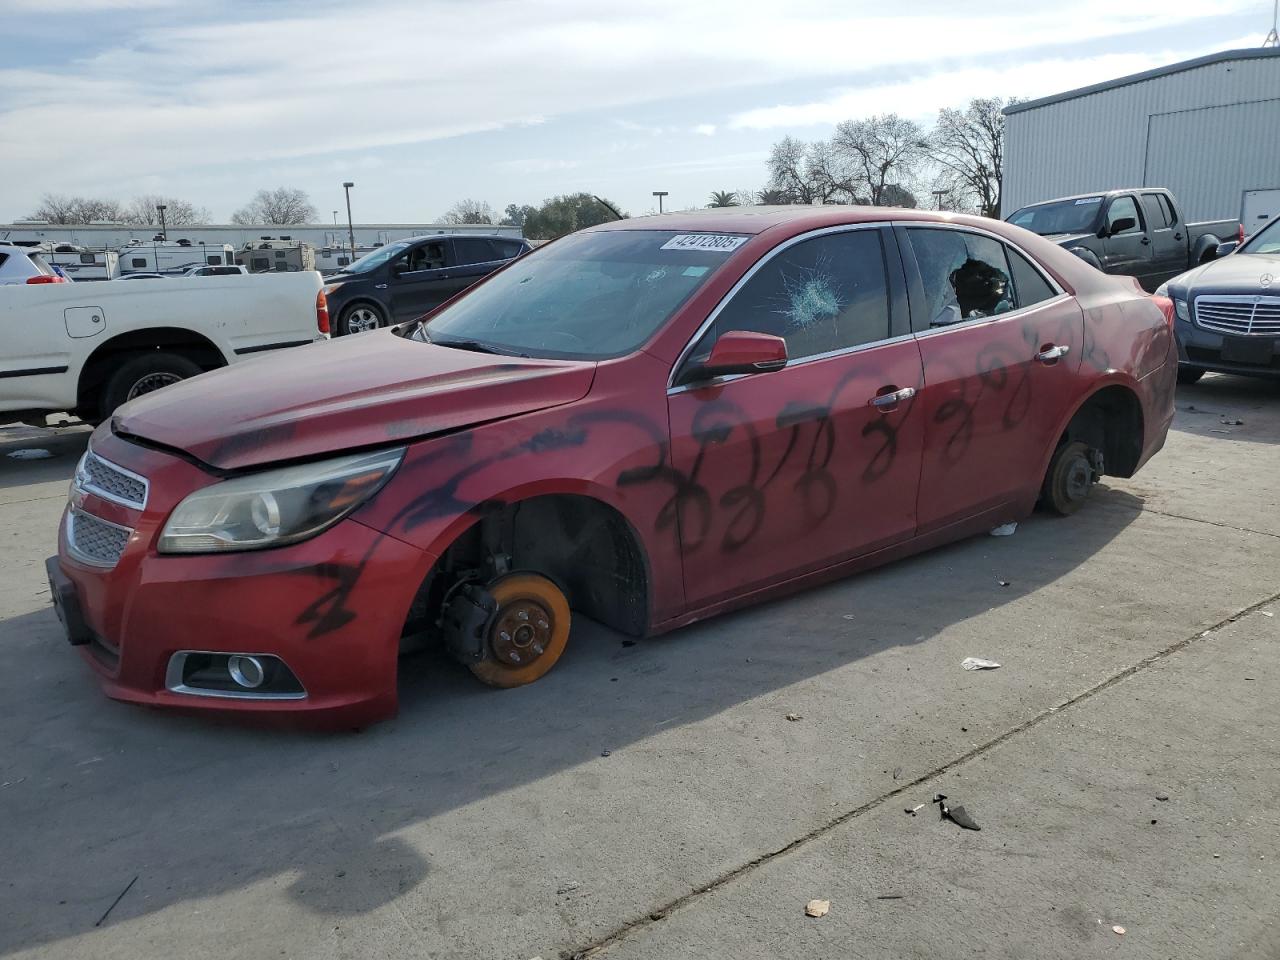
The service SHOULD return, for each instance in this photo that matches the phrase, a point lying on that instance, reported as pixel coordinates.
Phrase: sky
(426, 102)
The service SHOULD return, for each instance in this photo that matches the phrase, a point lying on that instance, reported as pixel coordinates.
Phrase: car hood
(1067, 239)
(1238, 273)
(332, 396)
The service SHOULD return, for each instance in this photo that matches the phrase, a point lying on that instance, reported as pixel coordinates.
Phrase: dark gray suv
(407, 278)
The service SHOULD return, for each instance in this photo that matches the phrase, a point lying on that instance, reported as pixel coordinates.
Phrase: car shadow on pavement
(97, 792)
(1212, 407)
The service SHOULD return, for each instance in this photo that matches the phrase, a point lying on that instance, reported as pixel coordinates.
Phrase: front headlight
(276, 507)
(1181, 309)
(331, 288)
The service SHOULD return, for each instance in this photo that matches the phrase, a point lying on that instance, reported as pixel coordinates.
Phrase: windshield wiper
(477, 346)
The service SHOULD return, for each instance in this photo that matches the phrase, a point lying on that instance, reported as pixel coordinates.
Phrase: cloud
(536, 165)
(705, 129)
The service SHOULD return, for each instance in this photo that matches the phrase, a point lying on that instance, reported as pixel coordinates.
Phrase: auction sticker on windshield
(716, 242)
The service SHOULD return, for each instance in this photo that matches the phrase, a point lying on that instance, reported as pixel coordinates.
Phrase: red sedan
(645, 423)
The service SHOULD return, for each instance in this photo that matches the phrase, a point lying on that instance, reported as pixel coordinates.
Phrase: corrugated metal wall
(1155, 132)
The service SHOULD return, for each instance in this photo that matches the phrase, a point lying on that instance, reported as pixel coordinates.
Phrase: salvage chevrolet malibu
(645, 423)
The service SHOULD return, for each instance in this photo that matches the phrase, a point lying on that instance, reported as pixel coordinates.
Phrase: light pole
(660, 194)
(164, 231)
(351, 230)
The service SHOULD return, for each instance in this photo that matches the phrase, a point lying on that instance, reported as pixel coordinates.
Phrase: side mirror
(1121, 225)
(1225, 248)
(739, 351)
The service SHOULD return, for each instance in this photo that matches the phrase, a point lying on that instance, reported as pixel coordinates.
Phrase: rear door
(1127, 252)
(787, 472)
(1168, 244)
(476, 257)
(1000, 344)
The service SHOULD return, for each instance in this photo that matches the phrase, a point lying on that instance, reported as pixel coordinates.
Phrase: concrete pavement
(491, 824)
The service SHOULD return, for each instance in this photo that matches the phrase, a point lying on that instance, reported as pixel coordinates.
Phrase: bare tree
(60, 209)
(883, 150)
(470, 211)
(282, 206)
(789, 171)
(178, 213)
(968, 146)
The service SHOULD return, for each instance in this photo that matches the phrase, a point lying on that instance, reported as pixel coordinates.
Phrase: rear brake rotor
(521, 632)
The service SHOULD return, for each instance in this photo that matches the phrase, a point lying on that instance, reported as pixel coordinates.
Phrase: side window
(1123, 207)
(3, 258)
(508, 248)
(1029, 285)
(1170, 214)
(138, 262)
(965, 277)
(428, 256)
(821, 295)
(1155, 212)
(473, 250)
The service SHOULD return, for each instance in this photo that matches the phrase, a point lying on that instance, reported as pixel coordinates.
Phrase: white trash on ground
(978, 663)
(30, 453)
(1004, 530)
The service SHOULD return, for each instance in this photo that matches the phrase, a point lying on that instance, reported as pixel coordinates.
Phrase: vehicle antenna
(1273, 38)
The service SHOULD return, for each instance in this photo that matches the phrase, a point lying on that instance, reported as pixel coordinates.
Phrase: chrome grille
(104, 478)
(1247, 316)
(95, 541)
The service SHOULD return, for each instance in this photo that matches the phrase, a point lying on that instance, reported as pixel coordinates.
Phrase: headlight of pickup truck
(276, 507)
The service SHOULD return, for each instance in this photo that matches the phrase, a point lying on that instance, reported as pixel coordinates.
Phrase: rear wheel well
(108, 356)
(587, 547)
(1110, 421)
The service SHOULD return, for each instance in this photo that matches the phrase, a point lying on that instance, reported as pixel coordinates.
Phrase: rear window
(1061, 216)
(40, 265)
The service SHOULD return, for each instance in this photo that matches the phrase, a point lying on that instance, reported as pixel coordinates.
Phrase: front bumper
(1203, 349)
(331, 608)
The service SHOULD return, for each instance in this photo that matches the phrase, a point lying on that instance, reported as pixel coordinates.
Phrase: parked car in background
(20, 264)
(146, 276)
(647, 422)
(86, 348)
(1139, 233)
(407, 278)
(1228, 311)
(207, 270)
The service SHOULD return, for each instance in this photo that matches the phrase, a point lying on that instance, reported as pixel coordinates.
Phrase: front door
(1126, 251)
(1000, 346)
(421, 279)
(783, 473)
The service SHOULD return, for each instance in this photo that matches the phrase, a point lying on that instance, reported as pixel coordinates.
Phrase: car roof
(797, 218)
(1096, 193)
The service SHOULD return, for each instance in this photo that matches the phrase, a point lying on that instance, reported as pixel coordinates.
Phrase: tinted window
(508, 248)
(1029, 285)
(139, 262)
(1170, 214)
(473, 250)
(261, 263)
(1155, 212)
(965, 277)
(213, 260)
(3, 258)
(1123, 207)
(824, 294)
(590, 295)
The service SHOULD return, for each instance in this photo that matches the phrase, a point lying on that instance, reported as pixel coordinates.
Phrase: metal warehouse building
(1208, 129)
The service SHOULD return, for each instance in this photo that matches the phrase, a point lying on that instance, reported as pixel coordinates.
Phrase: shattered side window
(821, 295)
(965, 277)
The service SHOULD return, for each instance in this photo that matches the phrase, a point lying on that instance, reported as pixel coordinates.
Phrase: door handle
(1177, 236)
(1052, 354)
(379, 286)
(886, 401)
(1146, 241)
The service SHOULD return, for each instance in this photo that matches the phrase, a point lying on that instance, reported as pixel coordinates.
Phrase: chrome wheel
(361, 319)
(152, 381)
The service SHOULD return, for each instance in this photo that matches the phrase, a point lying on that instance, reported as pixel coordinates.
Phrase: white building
(1208, 129)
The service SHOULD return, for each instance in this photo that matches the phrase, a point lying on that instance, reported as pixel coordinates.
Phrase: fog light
(247, 672)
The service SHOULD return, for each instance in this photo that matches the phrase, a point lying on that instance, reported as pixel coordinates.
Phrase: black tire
(142, 374)
(1068, 480)
(1189, 374)
(360, 317)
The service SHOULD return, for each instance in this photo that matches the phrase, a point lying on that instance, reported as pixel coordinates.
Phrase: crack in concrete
(1180, 516)
(661, 913)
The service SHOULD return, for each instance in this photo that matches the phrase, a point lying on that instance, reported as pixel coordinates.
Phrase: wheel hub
(1079, 476)
(152, 381)
(362, 320)
(521, 632)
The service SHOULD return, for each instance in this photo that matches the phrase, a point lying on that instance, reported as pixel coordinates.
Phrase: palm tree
(770, 198)
(723, 198)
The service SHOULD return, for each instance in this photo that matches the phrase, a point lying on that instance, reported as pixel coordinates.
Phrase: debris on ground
(897, 772)
(1118, 929)
(1232, 423)
(891, 896)
(1266, 613)
(127, 888)
(817, 908)
(1004, 530)
(978, 663)
(956, 815)
(850, 616)
(30, 453)
(1162, 797)
(1003, 583)
(567, 887)
(793, 717)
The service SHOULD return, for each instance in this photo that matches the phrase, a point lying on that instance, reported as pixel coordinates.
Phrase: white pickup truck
(86, 348)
